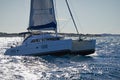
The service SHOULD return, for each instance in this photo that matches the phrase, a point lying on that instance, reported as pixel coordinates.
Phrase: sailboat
(40, 42)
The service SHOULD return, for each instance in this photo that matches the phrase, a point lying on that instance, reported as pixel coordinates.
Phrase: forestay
(42, 15)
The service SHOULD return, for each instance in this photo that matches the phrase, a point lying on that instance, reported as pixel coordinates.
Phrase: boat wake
(104, 64)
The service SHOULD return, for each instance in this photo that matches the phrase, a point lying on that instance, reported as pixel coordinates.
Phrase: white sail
(42, 15)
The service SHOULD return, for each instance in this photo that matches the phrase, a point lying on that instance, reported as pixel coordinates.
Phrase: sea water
(104, 64)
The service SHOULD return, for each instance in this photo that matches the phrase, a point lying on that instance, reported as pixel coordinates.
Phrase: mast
(72, 18)
(55, 18)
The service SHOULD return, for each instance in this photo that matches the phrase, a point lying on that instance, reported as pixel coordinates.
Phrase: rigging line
(72, 17)
(62, 26)
(77, 18)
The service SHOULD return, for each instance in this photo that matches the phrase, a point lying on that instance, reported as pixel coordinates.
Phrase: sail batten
(42, 15)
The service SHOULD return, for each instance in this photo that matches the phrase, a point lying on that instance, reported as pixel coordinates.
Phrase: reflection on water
(102, 65)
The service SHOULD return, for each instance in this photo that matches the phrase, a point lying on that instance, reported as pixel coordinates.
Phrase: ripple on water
(102, 66)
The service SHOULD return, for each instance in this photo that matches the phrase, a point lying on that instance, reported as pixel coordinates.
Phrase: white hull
(58, 47)
(84, 47)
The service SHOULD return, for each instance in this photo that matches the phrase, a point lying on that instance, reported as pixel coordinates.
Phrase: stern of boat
(84, 47)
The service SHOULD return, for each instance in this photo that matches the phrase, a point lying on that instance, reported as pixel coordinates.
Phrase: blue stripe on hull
(48, 26)
(65, 52)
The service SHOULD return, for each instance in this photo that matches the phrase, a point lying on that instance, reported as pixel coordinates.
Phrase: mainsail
(42, 15)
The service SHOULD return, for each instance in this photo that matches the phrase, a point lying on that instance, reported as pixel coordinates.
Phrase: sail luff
(42, 15)
(31, 10)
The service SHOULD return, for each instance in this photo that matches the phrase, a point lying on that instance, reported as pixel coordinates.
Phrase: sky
(91, 16)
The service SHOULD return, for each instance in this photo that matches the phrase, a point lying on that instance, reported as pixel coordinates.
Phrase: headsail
(42, 15)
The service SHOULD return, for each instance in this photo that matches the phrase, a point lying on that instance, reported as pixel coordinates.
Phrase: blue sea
(104, 64)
